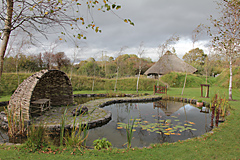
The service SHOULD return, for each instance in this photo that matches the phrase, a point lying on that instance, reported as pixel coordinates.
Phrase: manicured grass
(4, 98)
(222, 143)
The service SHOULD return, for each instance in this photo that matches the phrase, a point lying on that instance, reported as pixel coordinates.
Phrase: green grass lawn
(222, 143)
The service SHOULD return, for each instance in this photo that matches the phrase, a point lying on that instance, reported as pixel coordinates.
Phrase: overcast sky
(155, 22)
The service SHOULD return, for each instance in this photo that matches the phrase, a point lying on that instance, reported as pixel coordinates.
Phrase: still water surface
(178, 121)
(168, 114)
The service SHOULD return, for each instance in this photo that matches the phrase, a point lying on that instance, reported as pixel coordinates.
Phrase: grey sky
(155, 21)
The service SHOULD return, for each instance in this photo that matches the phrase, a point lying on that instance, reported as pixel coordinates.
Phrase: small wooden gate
(160, 89)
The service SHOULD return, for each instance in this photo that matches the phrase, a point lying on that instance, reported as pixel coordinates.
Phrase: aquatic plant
(220, 107)
(129, 131)
(161, 126)
(77, 136)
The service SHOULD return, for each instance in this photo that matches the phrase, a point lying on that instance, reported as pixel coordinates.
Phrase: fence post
(154, 89)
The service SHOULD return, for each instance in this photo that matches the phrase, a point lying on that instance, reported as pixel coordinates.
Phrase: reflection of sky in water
(149, 112)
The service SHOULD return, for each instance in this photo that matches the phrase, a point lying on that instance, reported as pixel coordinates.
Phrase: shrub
(101, 144)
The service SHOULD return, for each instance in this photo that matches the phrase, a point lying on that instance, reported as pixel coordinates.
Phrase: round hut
(36, 93)
(169, 62)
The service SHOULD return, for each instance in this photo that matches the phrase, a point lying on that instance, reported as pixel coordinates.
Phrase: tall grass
(77, 136)
(62, 128)
(16, 125)
(129, 131)
(37, 137)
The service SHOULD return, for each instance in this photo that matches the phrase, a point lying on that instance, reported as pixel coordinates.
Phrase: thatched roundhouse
(46, 84)
(169, 63)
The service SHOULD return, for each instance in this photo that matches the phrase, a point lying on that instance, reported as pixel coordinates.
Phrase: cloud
(155, 22)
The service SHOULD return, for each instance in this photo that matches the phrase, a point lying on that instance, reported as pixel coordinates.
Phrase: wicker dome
(50, 84)
(169, 63)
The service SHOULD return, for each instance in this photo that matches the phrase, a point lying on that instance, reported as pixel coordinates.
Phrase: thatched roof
(169, 63)
(46, 84)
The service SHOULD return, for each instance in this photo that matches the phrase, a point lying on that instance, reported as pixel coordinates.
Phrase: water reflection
(154, 112)
(157, 113)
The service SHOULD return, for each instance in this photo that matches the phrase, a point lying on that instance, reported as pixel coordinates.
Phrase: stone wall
(50, 84)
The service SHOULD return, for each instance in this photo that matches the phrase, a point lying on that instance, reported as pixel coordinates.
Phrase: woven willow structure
(46, 84)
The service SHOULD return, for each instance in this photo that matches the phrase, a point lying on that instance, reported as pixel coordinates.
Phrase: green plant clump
(101, 144)
(37, 138)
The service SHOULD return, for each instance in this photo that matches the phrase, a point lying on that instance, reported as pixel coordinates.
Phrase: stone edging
(103, 120)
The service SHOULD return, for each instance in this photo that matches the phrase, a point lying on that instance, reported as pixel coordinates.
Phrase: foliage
(195, 57)
(225, 33)
(101, 144)
(37, 138)
(77, 136)
(221, 103)
(129, 131)
(62, 128)
(48, 15)
(165, 127)
(16, 125)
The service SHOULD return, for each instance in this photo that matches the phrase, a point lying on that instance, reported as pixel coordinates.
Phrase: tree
(140, 54)
(225, 33)
(60, 59)
(164, 47)
(118, 65)
(45, 16)
(195, 57)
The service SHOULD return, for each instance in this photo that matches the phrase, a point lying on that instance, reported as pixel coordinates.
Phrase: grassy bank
(9, 83)
(222, 143)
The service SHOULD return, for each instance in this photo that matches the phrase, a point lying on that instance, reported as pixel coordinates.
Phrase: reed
(37, 137)
(77, 136)
(62, 127)
(129, 131)
(16, 127)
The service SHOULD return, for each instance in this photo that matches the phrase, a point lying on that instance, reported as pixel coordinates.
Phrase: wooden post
(154, 89)
(206, 85)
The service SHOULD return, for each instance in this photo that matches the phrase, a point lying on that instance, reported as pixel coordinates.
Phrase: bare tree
(164, 47)
(45, 16)
(118, 65)
(225, 33)
(195, 37)
(48, 56)
(75, 56)
(140, 54)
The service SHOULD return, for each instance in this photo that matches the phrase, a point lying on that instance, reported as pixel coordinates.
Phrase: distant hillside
(177, 80)
(223, 79)
(9, 83)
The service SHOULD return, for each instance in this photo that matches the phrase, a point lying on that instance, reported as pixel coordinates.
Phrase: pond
(156, 122)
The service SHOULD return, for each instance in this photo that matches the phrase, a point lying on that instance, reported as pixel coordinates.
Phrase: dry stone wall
(46, 84)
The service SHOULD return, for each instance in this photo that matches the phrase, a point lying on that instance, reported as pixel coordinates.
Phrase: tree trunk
(115, 87)
(138, 79)
(184, 83)
(6, 34)
(230, 80)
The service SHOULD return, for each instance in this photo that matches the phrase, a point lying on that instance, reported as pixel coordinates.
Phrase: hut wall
(50, 84)
(55, 86)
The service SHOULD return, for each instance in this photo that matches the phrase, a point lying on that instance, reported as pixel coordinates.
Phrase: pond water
(156, 122)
